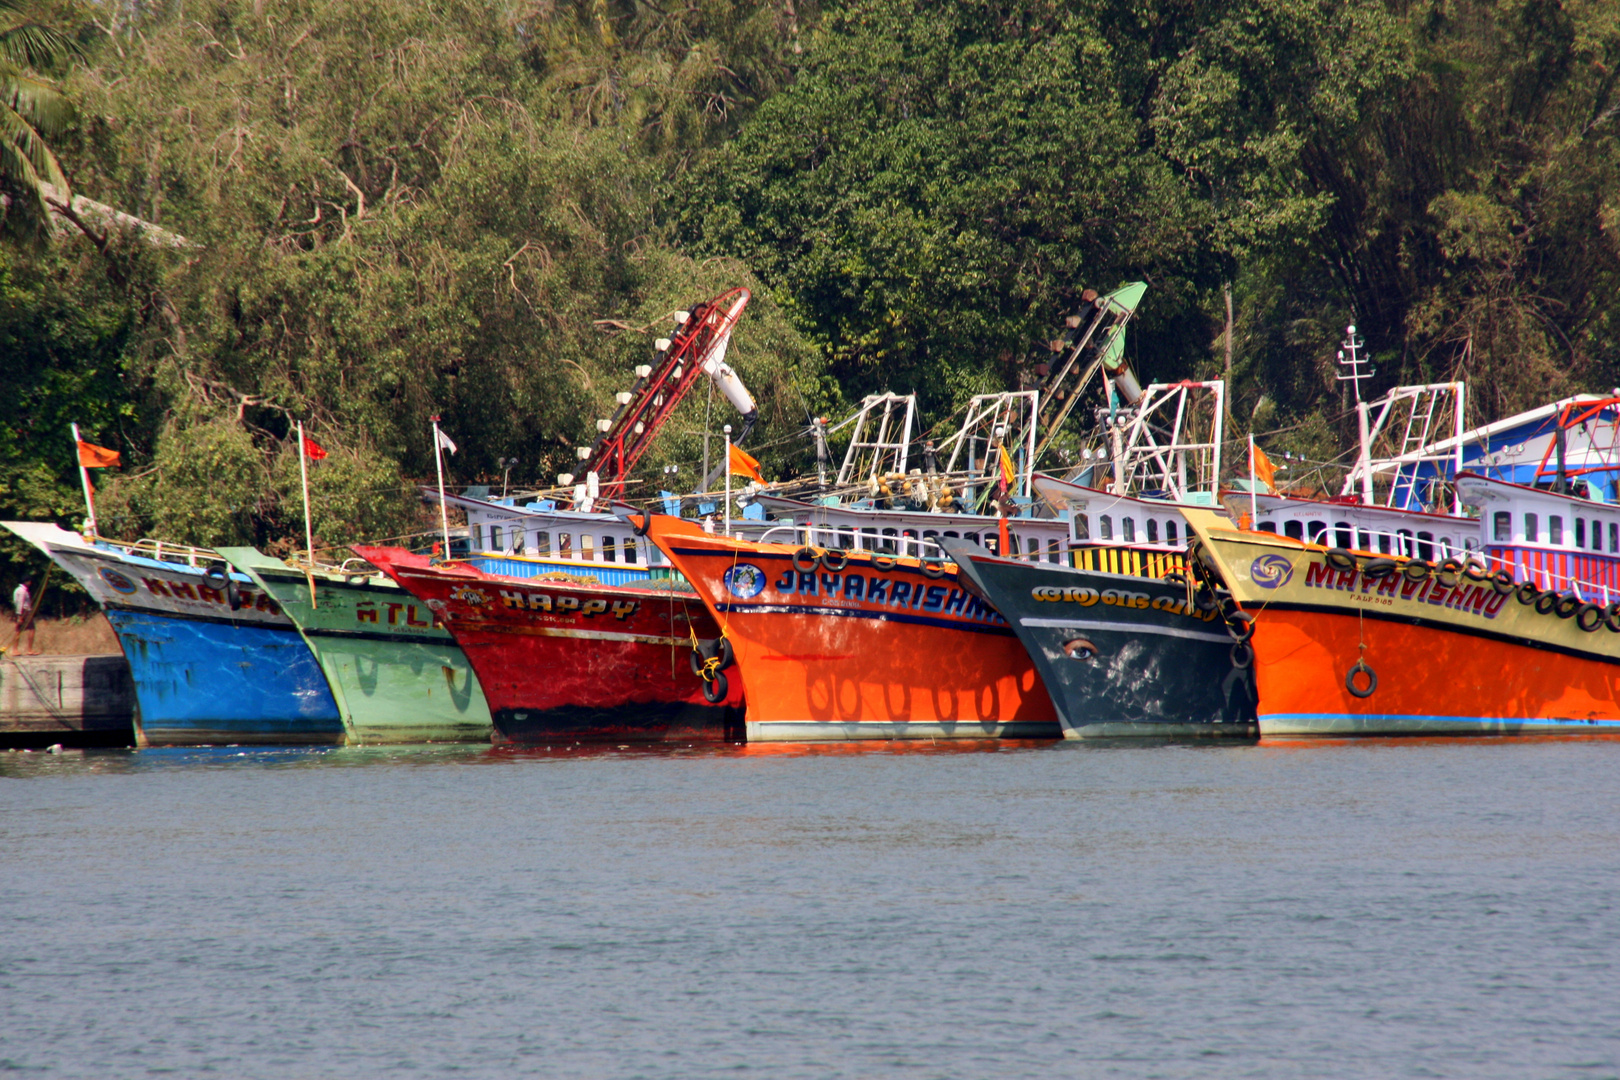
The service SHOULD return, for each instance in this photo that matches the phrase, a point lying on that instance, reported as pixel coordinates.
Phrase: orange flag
(97, 457)
(743, 463)
(1264, 469)
(1008, 473)
(313, 450)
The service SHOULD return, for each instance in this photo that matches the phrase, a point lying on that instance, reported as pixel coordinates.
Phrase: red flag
(97, 457)
(312, 449)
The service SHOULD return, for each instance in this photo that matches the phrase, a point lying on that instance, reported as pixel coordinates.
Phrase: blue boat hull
(220, 681)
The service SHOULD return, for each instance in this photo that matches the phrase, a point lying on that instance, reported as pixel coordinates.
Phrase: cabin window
(1107, 525)
(1268, 526)
(1597, 535)
(1403, 542)
(971, 537)
(610, 552)
(1503, 526)
(478, 537)
(1580, 532)
(495, 537)
(629, 550)
(1343, 536)
(1128, 530)
(517, 540)
(1294, 529)
(1152, 531)
(565, 545)
(1614, 536)
(869, 539)
(1363, 540)
(1032, 545)
(846, 538)
(909, 545)
(1383, 543)
(1012, 538)
(1082, 527)
(890, 542)
(1446, 547)
(542, 543)
(1529, 528)
(1319, 532)
(587, 547)
(1425, 546)
(1555, 529)
(1052, 552)
(1170, 532)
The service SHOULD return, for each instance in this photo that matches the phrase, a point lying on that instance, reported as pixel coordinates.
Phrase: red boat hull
(566, 662)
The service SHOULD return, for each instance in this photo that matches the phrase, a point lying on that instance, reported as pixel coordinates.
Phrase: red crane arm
(658, 389)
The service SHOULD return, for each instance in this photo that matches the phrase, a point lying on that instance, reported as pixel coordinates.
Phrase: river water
(1390, 909)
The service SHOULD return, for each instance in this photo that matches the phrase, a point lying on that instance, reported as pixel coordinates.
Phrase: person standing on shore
(22, 601)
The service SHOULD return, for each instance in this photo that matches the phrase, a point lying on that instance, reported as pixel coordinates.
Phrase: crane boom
(696, 350)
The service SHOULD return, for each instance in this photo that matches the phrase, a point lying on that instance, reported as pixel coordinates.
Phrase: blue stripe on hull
(1337, 725)
(200, 681)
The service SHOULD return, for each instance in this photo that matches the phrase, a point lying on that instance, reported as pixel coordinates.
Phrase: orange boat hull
(868, 652)
(1439, 653)
(1440, 680)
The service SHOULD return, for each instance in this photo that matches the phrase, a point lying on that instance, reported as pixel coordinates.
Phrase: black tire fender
(1590, 617)
(805, 560)
(833, 561)
(882, 562)
(1418, 569)
(715, 690)
(932, 568)
(1568, 605)
(1381, 568)
(1340, 559)
(1240, 625)
(1360, 668)
(1611, 617)
(1502, 582)
(1527, 593)
(217, 576)
(1242, 654)
(1546, 602)
(646, 522)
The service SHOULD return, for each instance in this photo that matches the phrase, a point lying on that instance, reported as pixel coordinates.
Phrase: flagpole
(303, 473)
(438, 463)
(1254, 500)
(727, 430)
(84, 479)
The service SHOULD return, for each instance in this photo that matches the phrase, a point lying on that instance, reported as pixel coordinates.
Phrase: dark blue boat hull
(200, 681)
(1121, 655)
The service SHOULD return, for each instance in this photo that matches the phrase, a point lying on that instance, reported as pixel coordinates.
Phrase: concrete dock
(71, 700)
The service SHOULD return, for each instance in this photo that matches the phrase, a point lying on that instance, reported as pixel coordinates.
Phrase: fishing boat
(212, 656)
(1122, 654)
(1518, 632)
(835, 644)
(563, 660)
(396, 674)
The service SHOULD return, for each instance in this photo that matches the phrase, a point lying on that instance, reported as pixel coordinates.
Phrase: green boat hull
(396, 675)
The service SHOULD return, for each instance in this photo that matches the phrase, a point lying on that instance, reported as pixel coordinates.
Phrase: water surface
(1386, 909)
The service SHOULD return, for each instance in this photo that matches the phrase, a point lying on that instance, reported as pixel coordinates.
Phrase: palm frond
(17, 135)
(36, 100)
(36, 45)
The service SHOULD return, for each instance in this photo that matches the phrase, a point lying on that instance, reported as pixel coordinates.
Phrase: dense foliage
(362, 212)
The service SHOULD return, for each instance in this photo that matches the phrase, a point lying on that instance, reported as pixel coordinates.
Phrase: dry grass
(76, 636)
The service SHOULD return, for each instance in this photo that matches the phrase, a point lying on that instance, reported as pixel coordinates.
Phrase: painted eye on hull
(1079, 649)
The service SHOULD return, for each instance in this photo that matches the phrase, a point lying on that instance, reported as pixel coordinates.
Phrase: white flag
(444, 441)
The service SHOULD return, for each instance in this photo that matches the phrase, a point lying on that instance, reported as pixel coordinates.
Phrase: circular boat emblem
(745, 581)
(1271, 571)
(117, 581)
